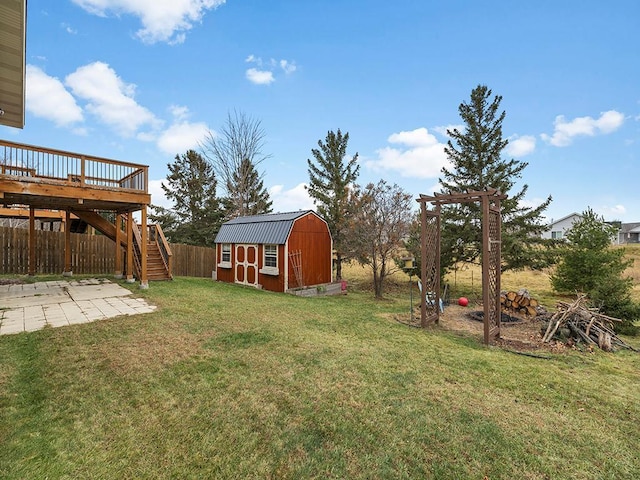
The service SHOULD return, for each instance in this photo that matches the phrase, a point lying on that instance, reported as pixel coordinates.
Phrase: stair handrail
(163, 247)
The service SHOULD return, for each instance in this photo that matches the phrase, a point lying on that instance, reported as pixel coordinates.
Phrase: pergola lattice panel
(491, 270)
(430, 277)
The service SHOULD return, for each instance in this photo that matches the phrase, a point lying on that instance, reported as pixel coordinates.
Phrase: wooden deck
(81, 185)
(54, 179)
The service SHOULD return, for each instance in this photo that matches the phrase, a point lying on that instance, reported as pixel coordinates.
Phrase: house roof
(574, 214)
(630, 227)
(271, 228)
(13, 20)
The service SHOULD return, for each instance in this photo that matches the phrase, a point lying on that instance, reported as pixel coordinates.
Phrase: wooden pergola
(491, 261)
(80, 185)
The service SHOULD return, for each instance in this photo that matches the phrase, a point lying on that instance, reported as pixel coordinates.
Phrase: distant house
(558, 229)
(629, 233)
(277, 252)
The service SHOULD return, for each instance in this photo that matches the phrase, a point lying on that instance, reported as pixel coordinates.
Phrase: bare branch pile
(585, 324)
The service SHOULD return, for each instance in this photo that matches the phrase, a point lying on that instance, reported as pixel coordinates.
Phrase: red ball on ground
(463, 301)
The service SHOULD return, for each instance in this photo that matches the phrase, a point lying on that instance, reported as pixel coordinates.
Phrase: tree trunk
(338, 266)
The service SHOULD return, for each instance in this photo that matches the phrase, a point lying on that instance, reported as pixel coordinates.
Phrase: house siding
(558, 229)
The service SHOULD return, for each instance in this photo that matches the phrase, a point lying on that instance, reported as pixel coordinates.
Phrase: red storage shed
(276, 251)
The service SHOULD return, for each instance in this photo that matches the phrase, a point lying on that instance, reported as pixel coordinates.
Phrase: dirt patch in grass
(524, 334)
(148, 351)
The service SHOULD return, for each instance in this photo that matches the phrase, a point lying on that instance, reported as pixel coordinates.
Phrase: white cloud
(158, 196)
(162, 20)
(46, 97)
(521, 146)
(291, 200)
(182, 136)
(260, 77)
(110, 99)
(420, 155)
(265, 73)
(614, 212)
(288, 67)
(179, 112)
(442, 130)
(565, 131)
(70, 30)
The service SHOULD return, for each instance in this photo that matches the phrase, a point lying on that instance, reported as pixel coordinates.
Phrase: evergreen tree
(329, 181)
(477, 165)
(251, 197)
(196, 215)
(589, 265)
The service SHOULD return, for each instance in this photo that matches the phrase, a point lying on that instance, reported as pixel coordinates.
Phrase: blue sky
(144, 80)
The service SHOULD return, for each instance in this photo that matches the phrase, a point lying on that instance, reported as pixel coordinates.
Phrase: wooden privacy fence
(90, 254)
(192, 261)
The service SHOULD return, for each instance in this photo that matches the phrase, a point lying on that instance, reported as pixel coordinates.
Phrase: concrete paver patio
(32, 306)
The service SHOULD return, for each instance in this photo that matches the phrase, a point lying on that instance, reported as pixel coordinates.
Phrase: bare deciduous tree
(235, 153)
(380, 220)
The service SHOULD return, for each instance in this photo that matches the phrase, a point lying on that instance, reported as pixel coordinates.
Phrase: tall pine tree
(196, 215)
(476, 165)
(329, 181)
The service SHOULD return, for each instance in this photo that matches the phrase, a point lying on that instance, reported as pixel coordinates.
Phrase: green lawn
(230, 382)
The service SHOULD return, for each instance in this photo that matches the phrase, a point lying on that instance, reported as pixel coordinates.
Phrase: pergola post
(67, 244)
(423, 265)
(486, 247)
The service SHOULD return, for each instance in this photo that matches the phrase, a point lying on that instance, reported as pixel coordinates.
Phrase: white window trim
(269, 270)
(225, 264)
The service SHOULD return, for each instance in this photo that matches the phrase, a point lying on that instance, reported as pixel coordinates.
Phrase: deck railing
(48, 164)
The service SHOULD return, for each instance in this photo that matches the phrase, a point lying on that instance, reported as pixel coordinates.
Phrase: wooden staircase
(158, 251)
(156, 268)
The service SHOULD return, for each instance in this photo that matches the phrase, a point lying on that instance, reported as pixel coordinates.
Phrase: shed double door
(246, 270)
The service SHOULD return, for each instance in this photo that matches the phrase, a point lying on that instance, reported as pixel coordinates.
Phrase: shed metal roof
(271, 228)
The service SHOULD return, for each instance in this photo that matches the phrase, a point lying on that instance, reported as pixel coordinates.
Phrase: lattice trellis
(491, 256)
(430, 277)
(491, 249)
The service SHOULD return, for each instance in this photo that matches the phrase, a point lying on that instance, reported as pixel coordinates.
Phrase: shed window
(226, 252)
(225, 258)
(270, 256)
(270, 260)
(557, 235)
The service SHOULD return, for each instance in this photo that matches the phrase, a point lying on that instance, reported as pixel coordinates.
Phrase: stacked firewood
(585, 324)
(519, 302)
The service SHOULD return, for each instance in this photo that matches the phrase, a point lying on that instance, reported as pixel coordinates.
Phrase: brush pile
(585, 325)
